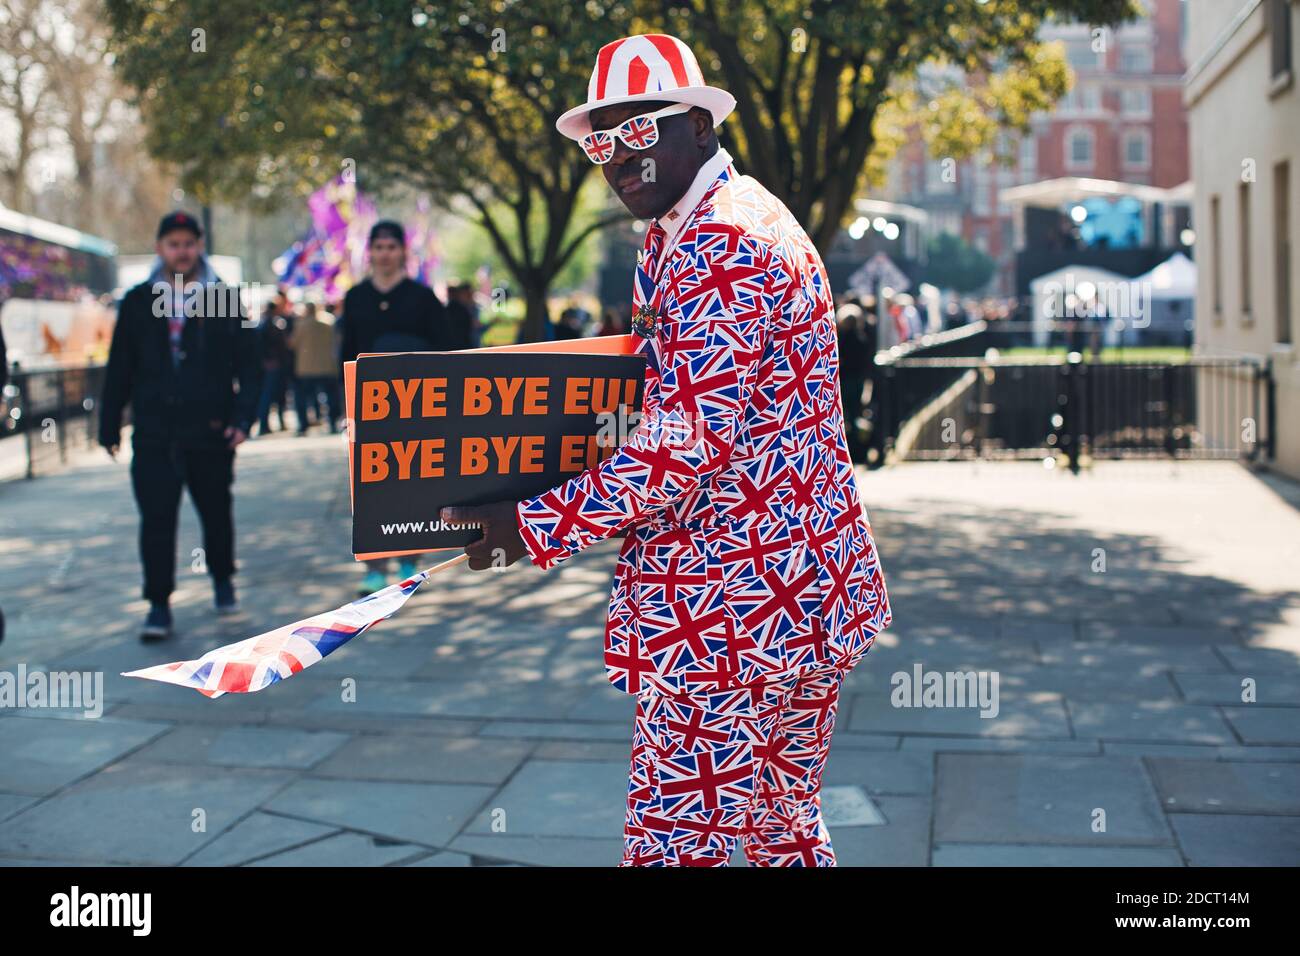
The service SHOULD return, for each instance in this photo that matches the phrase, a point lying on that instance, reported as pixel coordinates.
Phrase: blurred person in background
(315, 356)
(191, 379)
(853, 369)
(277, 360)
(612, 322)
(388, 311)
(462, 316)
(570, 325)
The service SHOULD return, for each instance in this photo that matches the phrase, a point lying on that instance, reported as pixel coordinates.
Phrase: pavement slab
(1120, 609)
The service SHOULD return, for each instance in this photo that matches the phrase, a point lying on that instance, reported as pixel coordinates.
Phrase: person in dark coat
(185, 361)
(462, 316)
(390, 312)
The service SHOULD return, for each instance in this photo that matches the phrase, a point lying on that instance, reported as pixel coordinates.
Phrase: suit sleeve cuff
(543, 550)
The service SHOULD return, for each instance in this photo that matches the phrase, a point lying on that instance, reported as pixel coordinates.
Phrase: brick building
(1123, 120)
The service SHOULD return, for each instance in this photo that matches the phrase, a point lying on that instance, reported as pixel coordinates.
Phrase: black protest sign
(434, 429)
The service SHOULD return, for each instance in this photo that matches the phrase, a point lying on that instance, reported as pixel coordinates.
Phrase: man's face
(179, 250)
(649, 181)
(387, 255)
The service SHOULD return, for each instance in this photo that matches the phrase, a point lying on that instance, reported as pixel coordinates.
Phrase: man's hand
(501, 544)
(112, 451)
(235, 436)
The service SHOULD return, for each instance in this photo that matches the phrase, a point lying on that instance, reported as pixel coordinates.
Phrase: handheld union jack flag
(258, 662)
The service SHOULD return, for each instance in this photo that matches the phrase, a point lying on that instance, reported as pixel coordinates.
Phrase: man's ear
(702, 124)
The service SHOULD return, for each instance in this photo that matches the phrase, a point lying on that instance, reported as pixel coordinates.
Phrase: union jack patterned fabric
(748, 557)
(708, 770)
(258, 662)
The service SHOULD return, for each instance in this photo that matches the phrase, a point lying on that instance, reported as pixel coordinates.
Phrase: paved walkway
(1121, 612)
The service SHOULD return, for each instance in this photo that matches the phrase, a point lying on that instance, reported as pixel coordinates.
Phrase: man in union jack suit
(748, 584)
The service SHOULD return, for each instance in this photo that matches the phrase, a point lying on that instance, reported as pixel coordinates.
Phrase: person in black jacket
(462, 316)
(391, 312)
(178, 351)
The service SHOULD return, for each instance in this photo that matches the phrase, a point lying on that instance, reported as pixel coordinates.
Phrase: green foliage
(955, 264)
(455, 98)
(459, 97)
(828, 89)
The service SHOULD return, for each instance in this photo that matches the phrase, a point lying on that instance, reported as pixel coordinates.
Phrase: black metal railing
(990, 407)
(51, 412)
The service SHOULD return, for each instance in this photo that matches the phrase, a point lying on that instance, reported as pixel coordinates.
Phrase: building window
(1079, 148)
(940, 177)
(1243, 243)
(1216, 257)
(1136, 58)
(1137, 149)
(1135, 102)
(1081, 55)
(981, 204)
(1279, 28)
(1282, 246)
(1028, 158)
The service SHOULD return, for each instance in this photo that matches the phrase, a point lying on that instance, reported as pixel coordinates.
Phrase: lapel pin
(645, 322)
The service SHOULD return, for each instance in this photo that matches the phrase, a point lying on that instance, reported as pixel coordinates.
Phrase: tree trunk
(536, 315)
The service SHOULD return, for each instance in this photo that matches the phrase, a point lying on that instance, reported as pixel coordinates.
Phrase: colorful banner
(330, 257)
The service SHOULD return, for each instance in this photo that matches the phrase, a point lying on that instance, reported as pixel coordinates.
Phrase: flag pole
(459, 559)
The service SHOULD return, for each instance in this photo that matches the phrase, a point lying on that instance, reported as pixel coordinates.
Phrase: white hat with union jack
(635, 69)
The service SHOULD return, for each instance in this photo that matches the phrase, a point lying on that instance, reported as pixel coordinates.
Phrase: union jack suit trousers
(748, 564)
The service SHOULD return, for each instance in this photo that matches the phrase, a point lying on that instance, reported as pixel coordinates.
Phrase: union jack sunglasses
(639, 132)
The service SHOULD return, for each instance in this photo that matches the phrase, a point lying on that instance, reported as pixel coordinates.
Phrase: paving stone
(480, 698)
(558, 798)
(341, 722)
(1265, 725)
(257, 835)
(1268, 689)
(1205, 786)
(424, 813)
(542, 850)
(11, 803)
(556, 730)
(244, 746)
(903, 840)
(999, 745)
(602, 750)
(443, 859)
(849, 806)
(1178, 635)
(604, 703)
(137, 812)
(1221, 839)
(40, 756)
(879, 773)
(846, 739)
(344, 849)
(1043, 799)
(426, 758)
(1029, 715)
(1260, 660)
(1141, 660)
(1149, 720)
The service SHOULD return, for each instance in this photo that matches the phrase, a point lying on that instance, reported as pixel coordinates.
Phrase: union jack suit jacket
(748, 555)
